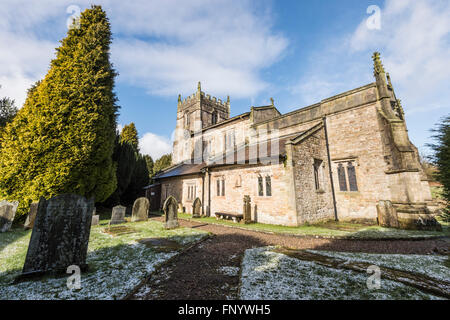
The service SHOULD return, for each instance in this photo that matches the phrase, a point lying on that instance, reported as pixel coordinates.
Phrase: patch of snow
(430, 265)
(268, 275)
(229, 271)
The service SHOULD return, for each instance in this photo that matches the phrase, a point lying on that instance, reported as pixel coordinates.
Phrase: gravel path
(210, 270)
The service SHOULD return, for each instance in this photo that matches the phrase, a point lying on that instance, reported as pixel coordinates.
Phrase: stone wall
(243, 180)
(313, 204)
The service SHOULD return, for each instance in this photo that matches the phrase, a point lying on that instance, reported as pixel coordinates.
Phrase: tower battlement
(205, 100)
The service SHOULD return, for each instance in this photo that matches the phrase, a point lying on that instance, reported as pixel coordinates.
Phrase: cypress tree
(441, 159)
(162, 163)
(129, 134)
(62, 140)
(150, 164)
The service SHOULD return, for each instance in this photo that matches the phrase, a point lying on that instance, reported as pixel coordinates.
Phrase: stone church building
(336, 159)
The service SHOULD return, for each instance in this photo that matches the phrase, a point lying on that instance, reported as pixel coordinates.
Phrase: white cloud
(154, 145)
(414, 40)
(164, 47)
(415, 50)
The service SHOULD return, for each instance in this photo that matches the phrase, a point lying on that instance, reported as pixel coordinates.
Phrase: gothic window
(192, 190)
(342, 178)
(268, 187)
(260, 186)
(318, 174)
(214, 118)
(352, 177)
(220, 187)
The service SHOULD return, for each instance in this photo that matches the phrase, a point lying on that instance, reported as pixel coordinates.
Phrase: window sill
(320, 191)
(349, 193)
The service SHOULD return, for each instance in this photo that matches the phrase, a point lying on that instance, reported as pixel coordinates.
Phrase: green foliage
(139, 180)
(162, 163)
(8, 111)
(132, 174)
(441, 159)
(129, 134)
(150, 164)
(62, 140)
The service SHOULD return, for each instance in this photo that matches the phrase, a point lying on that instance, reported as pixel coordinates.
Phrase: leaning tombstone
(197, 208)
(29, 222)
(118, 215)
(7, 213)
(170, 211)
(140, 210)
(60, 235)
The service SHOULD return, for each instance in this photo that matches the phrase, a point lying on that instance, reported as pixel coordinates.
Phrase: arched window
(342, 178)
(214, 117)
(268, 186)
(351, 172)
(260, 186)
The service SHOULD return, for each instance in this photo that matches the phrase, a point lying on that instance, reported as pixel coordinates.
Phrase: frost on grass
(430, 265)
(229, 271)
(269, 275)
(116, 264)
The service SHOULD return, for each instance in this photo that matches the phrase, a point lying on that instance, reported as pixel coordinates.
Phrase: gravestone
(60, 235)
(95, 220)
(197, 208)
(29, 222)
(118, 215)
(171, 213)
(140, 210)
(247, 210)
(387, 215)
(7, 213)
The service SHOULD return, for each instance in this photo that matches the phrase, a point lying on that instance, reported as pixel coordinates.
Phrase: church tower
(195, 113)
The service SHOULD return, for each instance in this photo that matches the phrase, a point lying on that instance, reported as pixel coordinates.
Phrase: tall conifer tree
(62, 140)
(129, 134)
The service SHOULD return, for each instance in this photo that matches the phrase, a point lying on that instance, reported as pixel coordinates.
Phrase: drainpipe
(203, 192)
(329, 168)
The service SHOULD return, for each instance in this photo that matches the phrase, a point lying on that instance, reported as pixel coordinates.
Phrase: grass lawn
(116, 263)
(331, 229)
(267, 274)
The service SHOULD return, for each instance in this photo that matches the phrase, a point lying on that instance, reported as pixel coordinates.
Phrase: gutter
(329, 169)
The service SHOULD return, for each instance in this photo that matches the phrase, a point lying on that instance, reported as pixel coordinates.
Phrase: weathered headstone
(247, 209)
(387, 215)
(7, 213)
(29, 222)
(118, 215)
(171, 213)
(197, 208)
(60, 235)
(95, 220)
(140, 210)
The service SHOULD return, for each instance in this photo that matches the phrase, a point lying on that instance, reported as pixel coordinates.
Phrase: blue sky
(297, 52)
